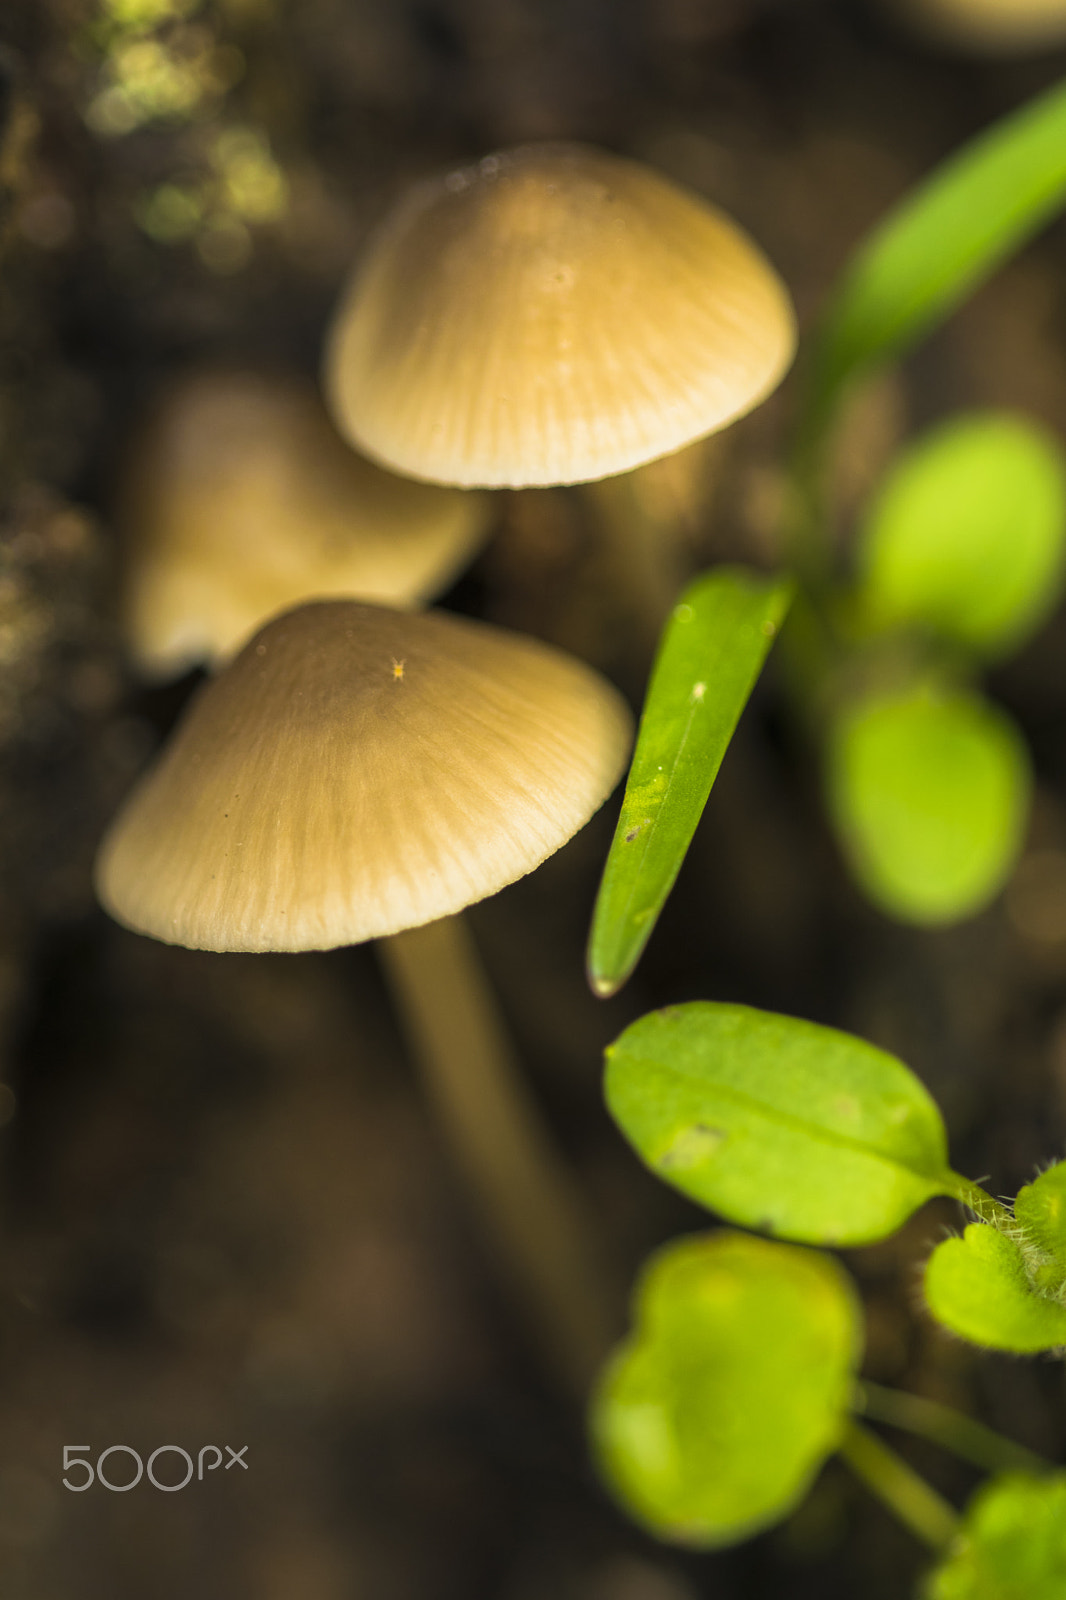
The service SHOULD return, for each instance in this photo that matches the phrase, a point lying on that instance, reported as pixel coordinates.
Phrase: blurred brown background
(227, 1216)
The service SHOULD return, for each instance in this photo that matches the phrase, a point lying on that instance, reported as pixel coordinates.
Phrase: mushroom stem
(528, 1203)
(643, 548)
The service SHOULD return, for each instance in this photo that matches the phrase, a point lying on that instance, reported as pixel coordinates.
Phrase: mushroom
(987, 27)
(239, 500)
(356, 772)
(552, 314)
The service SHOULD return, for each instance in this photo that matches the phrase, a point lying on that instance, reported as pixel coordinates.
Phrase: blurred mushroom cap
(553, 314)
(240, 499)
(356, 771)
(987, 27)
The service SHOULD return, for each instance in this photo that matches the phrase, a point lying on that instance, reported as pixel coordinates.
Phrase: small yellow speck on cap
(360, 811)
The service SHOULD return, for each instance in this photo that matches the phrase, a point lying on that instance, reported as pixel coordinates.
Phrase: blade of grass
(710, 655)
(939, 244)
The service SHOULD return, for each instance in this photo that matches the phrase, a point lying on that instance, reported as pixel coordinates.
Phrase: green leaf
(978, 1287)
(780, 1125)
(710, 655)
(711, 1420)
(1040, 1212)
(929, 791)
(968, 533)
(942, 241)
(1013, 1544)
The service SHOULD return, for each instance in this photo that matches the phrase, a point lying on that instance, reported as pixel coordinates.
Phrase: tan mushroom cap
(240, 500)
(988, 27)
(552, 315)
(356, 771)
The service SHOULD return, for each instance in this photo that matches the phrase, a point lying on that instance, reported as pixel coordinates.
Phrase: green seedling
(1006, 1288)
(978, 1287)
(928, 786)
(959, 559)
(708, 1423)
(964, 536)
(1012, 1545)
(740, 1379)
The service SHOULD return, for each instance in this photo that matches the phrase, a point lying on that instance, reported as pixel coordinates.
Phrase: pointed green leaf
(929, 790)
(780, 1125)
(968, 533)
(943, 240)
(1013, 1544)
(978, 1287)
(711, 1420)
(710, 655)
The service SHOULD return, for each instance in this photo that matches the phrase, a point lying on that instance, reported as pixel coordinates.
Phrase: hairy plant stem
(955, 1431)
(927, 1514)
(526, 1199)
(981, 1203)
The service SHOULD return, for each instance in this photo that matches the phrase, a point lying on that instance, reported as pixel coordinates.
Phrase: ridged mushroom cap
(552, 315)
(356, 771)
(240, 499)
(988, 27)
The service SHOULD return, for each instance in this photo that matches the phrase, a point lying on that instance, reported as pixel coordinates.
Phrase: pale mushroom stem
(644, 550)
(528, 1202)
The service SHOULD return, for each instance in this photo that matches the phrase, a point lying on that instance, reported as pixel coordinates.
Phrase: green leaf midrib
(943, 1176)
(626, 913)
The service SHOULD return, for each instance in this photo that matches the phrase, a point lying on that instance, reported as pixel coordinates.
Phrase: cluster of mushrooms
(550, 315)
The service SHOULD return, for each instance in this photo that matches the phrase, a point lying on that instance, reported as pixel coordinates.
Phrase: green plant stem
(927, 1514)
(807, 545)
(527, 1201)
(944, 1426)
(981, 1203)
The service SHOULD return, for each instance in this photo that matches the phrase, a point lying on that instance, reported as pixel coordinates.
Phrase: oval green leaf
(779, 1125)
(1013, 1544)
(929, 791)
(710, 655)
(978, 1287)
(710, 1422)
(943, 240)
(968, 533)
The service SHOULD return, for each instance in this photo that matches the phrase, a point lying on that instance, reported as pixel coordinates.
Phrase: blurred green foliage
(967, 534)
(938, 245)
(712, 1420)
(929, 790)
(960, 556)
(1013, 1545)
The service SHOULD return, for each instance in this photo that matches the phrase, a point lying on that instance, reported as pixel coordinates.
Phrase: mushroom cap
(553, 314)
(240, 499)
(356, 771)
(988, 27)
